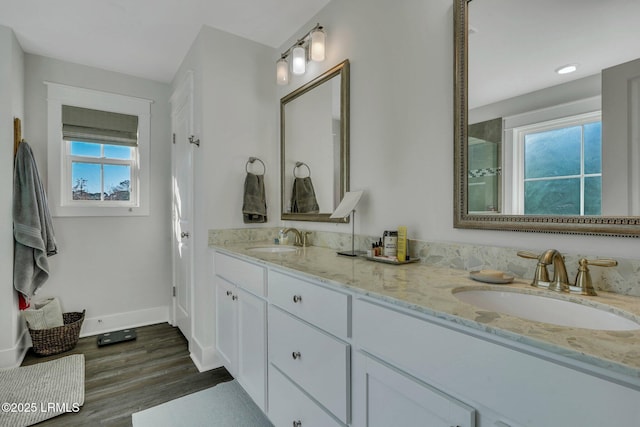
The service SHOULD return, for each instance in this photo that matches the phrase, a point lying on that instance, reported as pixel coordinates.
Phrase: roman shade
(103, 127)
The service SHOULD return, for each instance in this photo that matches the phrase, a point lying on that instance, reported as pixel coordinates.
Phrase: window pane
(593, 148)
(117, 152)
(593, 195)
(86, 149)
(552, 197)
(117, 182)
(552, 153)
(85, 181)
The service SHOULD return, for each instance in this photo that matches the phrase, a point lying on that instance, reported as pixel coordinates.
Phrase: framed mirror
(314, 147)
(514, 115)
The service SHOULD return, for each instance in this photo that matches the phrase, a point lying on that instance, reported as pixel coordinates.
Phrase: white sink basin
(548, 310)
(273, 249)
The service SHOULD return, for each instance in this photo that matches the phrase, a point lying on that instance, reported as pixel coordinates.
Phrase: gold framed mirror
(609, 221)
(314, 147)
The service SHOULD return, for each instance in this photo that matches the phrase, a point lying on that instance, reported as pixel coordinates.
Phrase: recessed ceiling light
(566, 69)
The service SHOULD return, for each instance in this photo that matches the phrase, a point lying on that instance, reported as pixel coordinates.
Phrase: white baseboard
(13, 357)
(131, 319)
(205, 358)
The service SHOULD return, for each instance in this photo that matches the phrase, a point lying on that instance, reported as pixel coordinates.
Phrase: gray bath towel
(303, 196)
(254, 209)
(32, 226)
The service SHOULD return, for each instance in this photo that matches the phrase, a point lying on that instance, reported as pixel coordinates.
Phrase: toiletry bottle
(402, 252)
(283, 237)
(390, 243)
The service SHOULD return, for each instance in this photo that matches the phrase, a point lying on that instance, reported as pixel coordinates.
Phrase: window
(561, 166)
(98, 153)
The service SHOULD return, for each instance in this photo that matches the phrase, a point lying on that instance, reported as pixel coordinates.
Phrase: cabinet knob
(297, 298)
(297, 423)
(296, 355)
(229, 293)
(234, 297)
(185, 234)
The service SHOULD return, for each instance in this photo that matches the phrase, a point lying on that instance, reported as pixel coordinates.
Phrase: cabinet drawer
(241, 273)
(324, 308)
(288, 404)
(314, 360)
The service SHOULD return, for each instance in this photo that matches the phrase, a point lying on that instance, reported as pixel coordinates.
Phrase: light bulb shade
(299, 60)
(282, 71)
(318, 38)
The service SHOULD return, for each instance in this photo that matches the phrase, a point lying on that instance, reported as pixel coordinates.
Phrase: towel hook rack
(253, 159)
(300, 164)
(193, 140)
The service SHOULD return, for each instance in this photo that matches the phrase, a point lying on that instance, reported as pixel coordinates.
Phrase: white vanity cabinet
(309, 358)
(241, 323)
(453, 369)
(337, 357)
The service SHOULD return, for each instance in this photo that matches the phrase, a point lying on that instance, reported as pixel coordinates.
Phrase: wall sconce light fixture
(311, 46)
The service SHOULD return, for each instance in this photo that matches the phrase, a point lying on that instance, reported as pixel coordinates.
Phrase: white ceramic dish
(496, 280)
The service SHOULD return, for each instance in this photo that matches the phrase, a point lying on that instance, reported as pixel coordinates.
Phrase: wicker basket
(59, 339)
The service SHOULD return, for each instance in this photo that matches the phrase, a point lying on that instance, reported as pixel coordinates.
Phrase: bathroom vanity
(321, 340)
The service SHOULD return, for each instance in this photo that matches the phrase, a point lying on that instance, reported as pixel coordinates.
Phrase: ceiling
(145, 38)
(516, 45)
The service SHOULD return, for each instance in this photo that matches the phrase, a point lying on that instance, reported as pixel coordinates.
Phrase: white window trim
(58, 95)
(513, 167)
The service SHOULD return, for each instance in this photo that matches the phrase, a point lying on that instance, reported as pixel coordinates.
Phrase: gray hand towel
(32, 225)
(303, 196)
(254, 209)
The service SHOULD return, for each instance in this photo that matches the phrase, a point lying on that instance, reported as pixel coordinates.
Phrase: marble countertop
(430, 290)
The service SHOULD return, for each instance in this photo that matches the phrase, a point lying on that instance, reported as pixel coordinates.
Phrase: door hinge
(174, 291)
(174, 138)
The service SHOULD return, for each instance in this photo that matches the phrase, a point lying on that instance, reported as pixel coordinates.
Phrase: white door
(227, 324)
(182, 202)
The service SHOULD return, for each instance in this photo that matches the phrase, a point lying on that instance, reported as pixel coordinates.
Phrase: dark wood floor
(127, 377)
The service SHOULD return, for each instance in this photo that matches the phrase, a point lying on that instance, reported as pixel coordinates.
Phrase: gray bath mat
(31, 394)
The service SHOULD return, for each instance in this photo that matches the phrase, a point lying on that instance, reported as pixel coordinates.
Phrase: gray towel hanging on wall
(32, 225)
(254, 208)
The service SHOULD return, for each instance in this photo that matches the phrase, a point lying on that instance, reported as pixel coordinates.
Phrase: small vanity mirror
(314, 147)
(537, 149)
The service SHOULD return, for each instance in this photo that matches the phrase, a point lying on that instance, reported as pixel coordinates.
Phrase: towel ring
(253, 159)
(299, 164)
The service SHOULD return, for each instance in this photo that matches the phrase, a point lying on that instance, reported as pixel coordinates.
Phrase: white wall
(11, 105)
(401, 57)
(117, 268)
(235, 119)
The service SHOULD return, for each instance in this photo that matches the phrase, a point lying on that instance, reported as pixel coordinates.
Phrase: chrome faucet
(298, 241)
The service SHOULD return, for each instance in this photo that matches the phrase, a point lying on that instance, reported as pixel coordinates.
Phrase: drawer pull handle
(296, 355)
(297, 423)
(229, 293)
(234, 297)
(297, 298)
